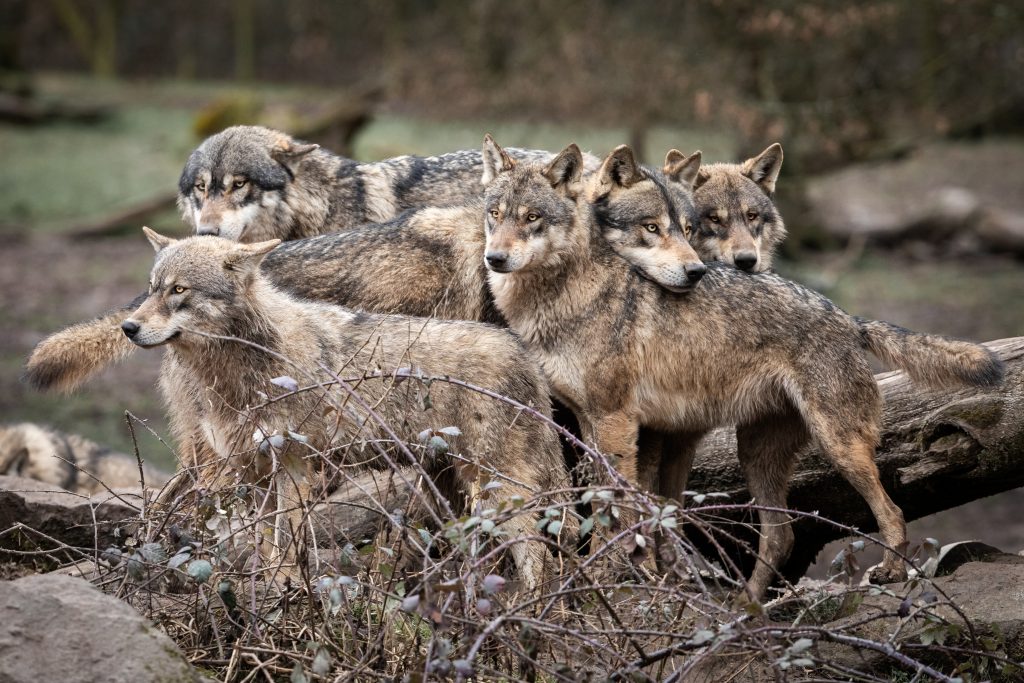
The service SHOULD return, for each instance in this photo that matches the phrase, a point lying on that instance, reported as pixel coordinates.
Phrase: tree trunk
(938, 450)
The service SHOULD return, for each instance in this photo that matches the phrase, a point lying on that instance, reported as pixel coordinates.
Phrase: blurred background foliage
(903, 182)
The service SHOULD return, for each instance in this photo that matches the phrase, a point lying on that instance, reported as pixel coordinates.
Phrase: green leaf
(200, 570)
(586, 526)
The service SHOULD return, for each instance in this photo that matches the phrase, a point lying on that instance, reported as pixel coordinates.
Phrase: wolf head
(197, 284)
(531, 212)
(234, 181)
(737, 219)
(645, 214)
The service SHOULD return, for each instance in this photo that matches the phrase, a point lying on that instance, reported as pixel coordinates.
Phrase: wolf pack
(328, 312)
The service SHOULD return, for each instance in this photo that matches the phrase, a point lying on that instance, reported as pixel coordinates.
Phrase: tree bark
(938, 450)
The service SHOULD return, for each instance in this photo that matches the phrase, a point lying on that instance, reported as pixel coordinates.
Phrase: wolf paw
(881, 575)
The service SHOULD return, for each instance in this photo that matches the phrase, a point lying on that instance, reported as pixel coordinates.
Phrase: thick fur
(249, 183)
(212, 385)
(781, 362)
(69, 461)
(426, 262)
(738, 221)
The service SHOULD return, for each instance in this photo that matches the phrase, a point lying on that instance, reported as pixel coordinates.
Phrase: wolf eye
(239, 184)
(714, 218)
(687, 229)
(651, 227)
(178, 289)
(201, 186)
(531, 217)
(494, 213)
(751, 215)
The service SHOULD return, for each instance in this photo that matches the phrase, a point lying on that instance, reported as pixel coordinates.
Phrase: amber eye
(713, 218)
(531, 217)
(751, 215)
(494, 213)
(687, 229)
(178, 289)
(201, 186)
(239, 184)
(651, 227)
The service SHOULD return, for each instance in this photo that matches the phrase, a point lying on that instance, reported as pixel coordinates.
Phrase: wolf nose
(496, 259)
(208, 230)
(130, 328)
(695, 272)
(746, 260)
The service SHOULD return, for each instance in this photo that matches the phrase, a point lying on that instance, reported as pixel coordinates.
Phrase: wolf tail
(66, 359)
(932, 360)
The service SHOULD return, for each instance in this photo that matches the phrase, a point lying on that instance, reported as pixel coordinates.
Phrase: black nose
(130, 328)
(695, 272)
(746, 260)
(496, 259)
(208, 230)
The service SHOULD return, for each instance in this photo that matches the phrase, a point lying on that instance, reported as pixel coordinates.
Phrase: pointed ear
(682, 169)
(620, 168)
(496, 160)
(565, 169)
(245, 257)
(764, 168)
(158, 241)
(288, 151)
(703, 175)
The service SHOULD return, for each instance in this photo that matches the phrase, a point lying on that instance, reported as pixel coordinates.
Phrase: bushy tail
(932, 360)
(66, 359)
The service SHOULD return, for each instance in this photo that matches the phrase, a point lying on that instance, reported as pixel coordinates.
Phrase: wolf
(250, 183)
(229, 331)
(425, 262)
(780, 362)
(69, 461)
(737, 220)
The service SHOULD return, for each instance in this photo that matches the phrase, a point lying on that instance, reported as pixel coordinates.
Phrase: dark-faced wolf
(229, 331)
(781, 362)
(249, 183)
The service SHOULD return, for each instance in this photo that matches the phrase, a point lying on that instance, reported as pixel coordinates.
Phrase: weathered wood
(938, 450)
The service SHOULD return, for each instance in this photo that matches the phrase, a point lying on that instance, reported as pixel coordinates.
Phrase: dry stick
(138, 458)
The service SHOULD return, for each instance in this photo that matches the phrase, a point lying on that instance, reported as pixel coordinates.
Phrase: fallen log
(938, 450)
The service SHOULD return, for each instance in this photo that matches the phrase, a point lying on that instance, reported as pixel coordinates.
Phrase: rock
(987, 593)
(58, 628)
(965, 195)
(76, 520)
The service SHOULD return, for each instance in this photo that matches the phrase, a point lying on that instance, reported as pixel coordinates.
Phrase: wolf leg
(767, 451)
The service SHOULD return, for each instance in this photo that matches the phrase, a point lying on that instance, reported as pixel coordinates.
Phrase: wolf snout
(745, 260)
(497, 259)
(694, 272)
(207, 229)
(130, 328)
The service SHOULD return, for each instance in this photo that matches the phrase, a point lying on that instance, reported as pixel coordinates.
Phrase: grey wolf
(228, 331)
(69, 461)
(738, 221)
(780, 362)
(249, 183)
(426, 262)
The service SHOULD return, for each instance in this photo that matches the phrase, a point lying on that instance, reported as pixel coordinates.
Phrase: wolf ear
(764, 168)
(620, 168)
(565, 169)
(289, 151)
(246, 257)
(703, 175)
(496, 160)
(682, 169)
(158, 241)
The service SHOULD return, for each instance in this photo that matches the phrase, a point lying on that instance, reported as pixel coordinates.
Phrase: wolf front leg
(291, 491)
(615, 434)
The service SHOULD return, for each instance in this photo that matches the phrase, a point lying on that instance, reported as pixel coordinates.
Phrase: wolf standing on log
(781, 362)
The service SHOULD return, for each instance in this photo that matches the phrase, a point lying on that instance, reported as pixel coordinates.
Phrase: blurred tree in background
(840, 81)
